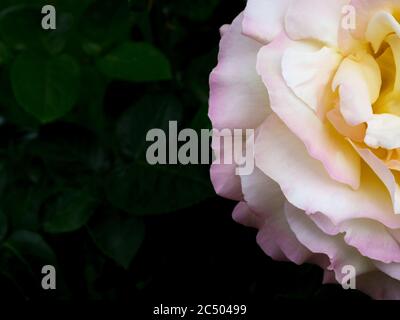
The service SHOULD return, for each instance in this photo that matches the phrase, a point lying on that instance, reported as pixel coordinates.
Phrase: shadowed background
(76, 192)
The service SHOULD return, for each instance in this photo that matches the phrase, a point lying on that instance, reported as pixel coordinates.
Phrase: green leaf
(5, 54)
(141, 189)
(69, 151)
(20, 27)
(30, 246)
(3, 225)
(16, 20)
(105, 22)
(21, 205)
(118, 238)
(90, 110)
(70, 212)
(137, 62)
(153, 111)
(46, 88)
(22, 257)
(10, 108)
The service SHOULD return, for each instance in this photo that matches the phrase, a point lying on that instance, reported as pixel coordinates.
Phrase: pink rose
(319, 83)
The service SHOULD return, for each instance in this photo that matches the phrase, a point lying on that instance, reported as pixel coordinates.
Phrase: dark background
(75, 106)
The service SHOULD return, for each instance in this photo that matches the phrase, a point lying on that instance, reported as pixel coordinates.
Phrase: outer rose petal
(329, 277)
(379, 286)
(223, 174)
(265, 198)
(264, 19)
(371, 281)
(372, 240)
(338, 157)
(238, 98)
(225, 181)
(339, 253)
(315, 19)
(244, 215)
(306, 185)
(325, 224)
(391, 269)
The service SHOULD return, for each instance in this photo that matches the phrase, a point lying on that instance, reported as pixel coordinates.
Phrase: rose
(325, 105)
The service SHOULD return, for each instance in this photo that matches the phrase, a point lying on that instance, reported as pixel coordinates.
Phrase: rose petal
(383, 132)
(308, 71)
(372, 240)
(264, 197)
(325, 224)
(223, 170)
(366, 9)
(379, 286)
(337, 156)
(356, 133)
(359, 85)
(339, 253)
(380, 26)
(238, 98)
(307, 186)
(383, 172)
(264, 19)
(244, 215)
(315, 19)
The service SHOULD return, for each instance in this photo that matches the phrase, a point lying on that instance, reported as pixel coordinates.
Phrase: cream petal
(264, 19)
(359, 85)
(383, 132)
(366, 9)
(380, 26)
(308, 72)
(315, 19)
(324, 144)
(307, 186)
(355, 133)
(384, 173)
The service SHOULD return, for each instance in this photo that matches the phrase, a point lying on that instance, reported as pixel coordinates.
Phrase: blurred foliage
(75, 106)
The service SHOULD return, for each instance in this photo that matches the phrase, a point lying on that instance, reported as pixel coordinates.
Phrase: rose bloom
(324, 102)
